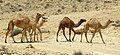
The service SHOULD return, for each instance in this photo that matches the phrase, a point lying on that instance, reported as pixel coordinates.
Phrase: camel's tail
(10, 24)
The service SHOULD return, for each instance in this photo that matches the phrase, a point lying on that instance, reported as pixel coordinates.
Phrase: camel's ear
(42, 14)
(83, 20)
(38, 14)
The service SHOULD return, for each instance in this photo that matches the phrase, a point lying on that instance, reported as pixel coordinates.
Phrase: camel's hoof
(56, 40)
(5, 42)
(15, 42)
(31, 41)
(70, 40)
(22, 42)
(103, 42)
(41, 40)
(37, 40)
(67, 40)
(80, 41)
(90, 42)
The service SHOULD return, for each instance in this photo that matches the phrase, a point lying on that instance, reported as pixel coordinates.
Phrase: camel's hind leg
(40, 34)
(13, 38)
(64, 34)
(92, 37)
(101, 37)
(10, 29)
(6, 36)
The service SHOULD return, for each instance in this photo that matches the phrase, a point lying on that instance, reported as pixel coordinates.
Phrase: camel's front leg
(70, 34)
(81, 37)
(73, 37)
(101, 37)
(40, 33)
(86, 36)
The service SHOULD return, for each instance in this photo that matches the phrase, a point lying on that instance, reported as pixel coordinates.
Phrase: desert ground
(56, 10)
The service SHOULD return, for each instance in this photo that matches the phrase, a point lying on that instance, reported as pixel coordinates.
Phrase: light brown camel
(37, 26)
(68, 23)
(96, 25)
(33, 25)
(21, 22)
(80, 30)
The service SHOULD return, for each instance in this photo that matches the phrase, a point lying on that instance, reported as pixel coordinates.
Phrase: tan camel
(80, 30)
(96, 27)
(21, 22)
(38, 25)
(33, 25)
(68, 23)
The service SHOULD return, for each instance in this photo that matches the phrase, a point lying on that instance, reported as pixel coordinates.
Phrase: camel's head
(82, 20)
(39, 15)
(44, 19)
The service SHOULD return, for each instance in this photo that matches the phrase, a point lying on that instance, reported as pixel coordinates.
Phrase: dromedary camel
(96, 27)
(80, 30)
(68, 23)
(21, 22)
(37, 26)
(33, 25)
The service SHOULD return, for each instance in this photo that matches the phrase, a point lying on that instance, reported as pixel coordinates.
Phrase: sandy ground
(49, 46)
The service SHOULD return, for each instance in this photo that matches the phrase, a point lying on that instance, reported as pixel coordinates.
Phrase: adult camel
(68, 23)
(93, 24)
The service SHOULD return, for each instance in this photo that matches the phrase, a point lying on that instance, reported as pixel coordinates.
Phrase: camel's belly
(79, 29)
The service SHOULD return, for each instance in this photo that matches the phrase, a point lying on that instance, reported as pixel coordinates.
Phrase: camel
(20, 22)
(38, 25)
(68, 23)
(33, 25)
(80, 30)
(96, 27)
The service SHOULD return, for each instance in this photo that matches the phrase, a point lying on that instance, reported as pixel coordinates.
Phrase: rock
(30, 46)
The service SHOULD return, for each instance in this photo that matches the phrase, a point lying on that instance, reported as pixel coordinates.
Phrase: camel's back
(66, 22)
(93, 23)
(21, 21)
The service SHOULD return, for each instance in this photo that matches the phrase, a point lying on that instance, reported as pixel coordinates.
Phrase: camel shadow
(32, 42)
(65, 41)
(96, 43)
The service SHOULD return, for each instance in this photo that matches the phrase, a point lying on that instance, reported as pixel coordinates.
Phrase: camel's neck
(106, 24)
(78, 24)
(37, 19)
(41, 24)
